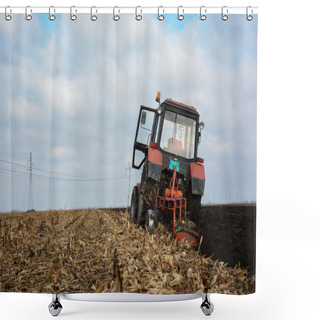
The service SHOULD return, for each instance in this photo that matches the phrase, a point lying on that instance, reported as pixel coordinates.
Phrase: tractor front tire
(134, 205)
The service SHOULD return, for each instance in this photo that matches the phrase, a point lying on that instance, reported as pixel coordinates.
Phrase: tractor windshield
(178, 135)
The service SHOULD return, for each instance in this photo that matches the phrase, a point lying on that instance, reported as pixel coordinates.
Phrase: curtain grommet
(138, 16)
(73, 16)
(203, 13)
(224, 13)
(116, 17)
(180, 15)
(249, 17)
(52, 16)
(28, 15)
(93, 17)
(160, 16)
(7, 16)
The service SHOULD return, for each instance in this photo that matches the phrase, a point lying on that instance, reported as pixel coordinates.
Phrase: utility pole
(30, 202)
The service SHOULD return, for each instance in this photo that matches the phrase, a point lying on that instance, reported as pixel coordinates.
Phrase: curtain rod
(129, 10)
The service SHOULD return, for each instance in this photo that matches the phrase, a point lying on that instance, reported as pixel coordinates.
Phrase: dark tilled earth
(229, 233)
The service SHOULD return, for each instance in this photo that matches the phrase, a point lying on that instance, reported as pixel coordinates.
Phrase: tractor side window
(138, 157)
(145, 127)
(178, 135)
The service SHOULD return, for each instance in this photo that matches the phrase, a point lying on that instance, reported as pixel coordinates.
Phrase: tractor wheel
(140, 209)
(134, 205)
(147, 200)
(194, 207)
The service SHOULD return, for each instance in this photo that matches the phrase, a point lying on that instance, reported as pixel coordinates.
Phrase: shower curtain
(107, 185)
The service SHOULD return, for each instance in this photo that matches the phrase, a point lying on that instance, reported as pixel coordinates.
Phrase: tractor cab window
(178, 135)
(145, 127)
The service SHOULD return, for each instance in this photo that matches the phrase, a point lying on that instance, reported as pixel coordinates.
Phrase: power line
(75, 177)
(15, 172)
(38, 169)
(62, 174)
(16, 164)
(30, 201)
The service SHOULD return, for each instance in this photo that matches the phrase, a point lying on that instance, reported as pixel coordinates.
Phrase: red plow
(174, 202)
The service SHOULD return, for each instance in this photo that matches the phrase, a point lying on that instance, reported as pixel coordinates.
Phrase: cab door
(144, 135)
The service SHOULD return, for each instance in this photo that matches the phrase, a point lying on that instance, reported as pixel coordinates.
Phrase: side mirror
(201, 126)
(143, 117)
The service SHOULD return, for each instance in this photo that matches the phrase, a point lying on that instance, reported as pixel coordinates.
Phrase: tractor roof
(174, 103)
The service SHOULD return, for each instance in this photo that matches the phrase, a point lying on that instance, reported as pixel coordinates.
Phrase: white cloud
(62, 153)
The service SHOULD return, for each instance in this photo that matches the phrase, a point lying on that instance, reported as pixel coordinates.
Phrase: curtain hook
(224, 13)
(93, 16)
(138, 16)
(160, 16)
(180, 15)
(52, 16)
(73, 16)
(28, 15)
(116, 17)
(249, 17)
(7, 16)
(203, 15)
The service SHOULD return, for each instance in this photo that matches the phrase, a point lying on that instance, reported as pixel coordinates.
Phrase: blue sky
(71, 92)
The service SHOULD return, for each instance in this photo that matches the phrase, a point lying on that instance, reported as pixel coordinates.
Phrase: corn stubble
(74, 251)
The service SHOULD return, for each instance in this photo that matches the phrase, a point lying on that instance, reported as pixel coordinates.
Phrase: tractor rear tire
(194, 207)
(140, 209)
(134, 205)
(147, 200)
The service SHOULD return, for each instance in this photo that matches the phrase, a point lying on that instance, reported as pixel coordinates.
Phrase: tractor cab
(173, 129)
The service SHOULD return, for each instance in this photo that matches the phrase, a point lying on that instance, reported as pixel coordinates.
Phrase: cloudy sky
(70, 93)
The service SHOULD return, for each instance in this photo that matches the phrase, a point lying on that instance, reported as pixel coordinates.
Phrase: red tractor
(173, 179)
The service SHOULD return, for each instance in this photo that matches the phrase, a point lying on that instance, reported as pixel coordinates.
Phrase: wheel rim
(150, 222)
